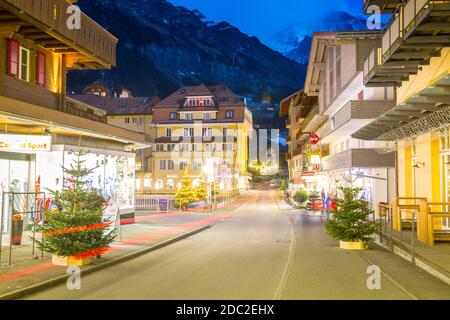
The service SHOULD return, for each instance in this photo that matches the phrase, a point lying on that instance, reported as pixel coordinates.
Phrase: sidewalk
(148, 233)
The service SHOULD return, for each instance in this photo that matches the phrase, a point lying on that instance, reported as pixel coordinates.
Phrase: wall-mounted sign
(314, 139)
(24, 143)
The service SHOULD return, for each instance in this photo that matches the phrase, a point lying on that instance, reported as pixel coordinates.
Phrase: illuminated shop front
(30, 170)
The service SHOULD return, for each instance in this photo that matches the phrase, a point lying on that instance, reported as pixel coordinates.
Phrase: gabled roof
(222, 94)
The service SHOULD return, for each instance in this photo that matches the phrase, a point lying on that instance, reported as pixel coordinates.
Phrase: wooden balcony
(417, 31)
(358, 158)
(353, 115)
(27, 92)
(45, 23)
(386, 6)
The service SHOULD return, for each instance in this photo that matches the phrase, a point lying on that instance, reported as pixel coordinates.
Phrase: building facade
(131, 113)
(41, 128)
(412, 56)
(202, 130)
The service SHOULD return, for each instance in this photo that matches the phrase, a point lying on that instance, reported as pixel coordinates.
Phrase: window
(170, 184)
(173, 116)
(228, 147)
(24, 72)
(188, 132)
(168, 132)
(207, 116)
(229, 114)
(225, 131)
(170, 165)
(127, 120)
(40, 69)
(188, 116)
(162, 165)
(183, 165)
(170, 147)
(207, 132)
(159, 148)
(197, 165)
(159, 184)
(13, 58)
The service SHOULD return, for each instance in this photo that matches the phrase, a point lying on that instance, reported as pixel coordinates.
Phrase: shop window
(170, 184)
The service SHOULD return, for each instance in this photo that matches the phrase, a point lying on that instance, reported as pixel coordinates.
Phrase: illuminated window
(24, 71)
(170, 184)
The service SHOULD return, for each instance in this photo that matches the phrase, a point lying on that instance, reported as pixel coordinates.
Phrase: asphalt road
(261, 252)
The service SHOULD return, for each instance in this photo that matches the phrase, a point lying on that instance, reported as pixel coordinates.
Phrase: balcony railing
(50, 16)
(416, 32)
(386, 6)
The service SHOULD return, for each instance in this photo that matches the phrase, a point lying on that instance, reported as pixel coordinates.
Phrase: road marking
(290, 259)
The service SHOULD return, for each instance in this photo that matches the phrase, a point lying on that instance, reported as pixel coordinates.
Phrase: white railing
(149, 202)
(402, 22)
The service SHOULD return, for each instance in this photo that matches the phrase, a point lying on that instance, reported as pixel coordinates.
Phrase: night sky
(263, 18)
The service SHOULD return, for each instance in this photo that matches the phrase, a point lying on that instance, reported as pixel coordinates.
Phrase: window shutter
(13, 58)
(40, 69)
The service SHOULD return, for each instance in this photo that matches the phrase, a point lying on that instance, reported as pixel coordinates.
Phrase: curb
(61, 279)
(402, 251)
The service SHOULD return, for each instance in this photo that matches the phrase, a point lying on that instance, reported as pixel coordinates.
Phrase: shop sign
(24, 143)
(314, 139)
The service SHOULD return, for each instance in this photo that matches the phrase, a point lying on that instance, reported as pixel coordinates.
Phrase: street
(264, 251)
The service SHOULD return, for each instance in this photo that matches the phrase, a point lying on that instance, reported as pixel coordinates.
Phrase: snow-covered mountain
(294, 41)
(163, 46)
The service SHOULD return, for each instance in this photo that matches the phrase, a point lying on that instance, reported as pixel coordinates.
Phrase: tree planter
(353, 245)
(70, 261)
(16, 233)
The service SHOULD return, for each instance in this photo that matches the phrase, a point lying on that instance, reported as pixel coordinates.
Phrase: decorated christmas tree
(201, 193)
(186, 194)
(350, 223)
(75, 227)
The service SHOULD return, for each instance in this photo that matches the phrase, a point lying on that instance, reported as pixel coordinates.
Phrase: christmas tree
(186, 194)
(76, 227)
(201, 193)
(350, 222)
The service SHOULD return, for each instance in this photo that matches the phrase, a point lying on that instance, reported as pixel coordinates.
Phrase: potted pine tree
(76, 231)
(350, 222)
(300, 197)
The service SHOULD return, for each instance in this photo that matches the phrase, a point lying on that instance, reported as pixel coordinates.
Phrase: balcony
(386, 6)
(45, 23)
(418, 30)
(401, 122)
(354, 115)
(358, 158)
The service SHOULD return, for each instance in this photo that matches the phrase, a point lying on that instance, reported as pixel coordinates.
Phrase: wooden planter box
(70, 261)
(353, 245)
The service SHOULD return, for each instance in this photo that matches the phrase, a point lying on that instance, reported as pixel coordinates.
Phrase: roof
(223, 96)
(120, 106)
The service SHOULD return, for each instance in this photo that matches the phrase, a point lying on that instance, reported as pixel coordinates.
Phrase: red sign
(314, 139)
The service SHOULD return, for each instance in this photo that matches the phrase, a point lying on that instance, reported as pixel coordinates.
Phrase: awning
(424, 112)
